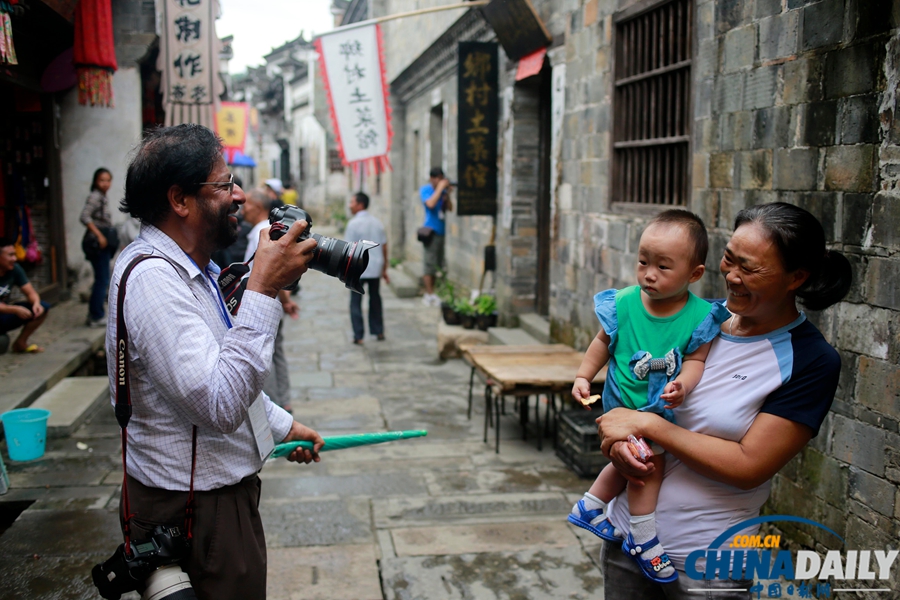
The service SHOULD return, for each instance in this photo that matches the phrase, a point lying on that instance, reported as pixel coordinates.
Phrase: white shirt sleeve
(169, 333)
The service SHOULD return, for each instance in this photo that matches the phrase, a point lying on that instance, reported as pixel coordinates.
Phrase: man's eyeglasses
(229, 183)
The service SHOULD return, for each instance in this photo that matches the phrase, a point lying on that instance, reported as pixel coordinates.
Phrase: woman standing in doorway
(99, 244)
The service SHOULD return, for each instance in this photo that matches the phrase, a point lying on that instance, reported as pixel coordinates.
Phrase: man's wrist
(262, 288)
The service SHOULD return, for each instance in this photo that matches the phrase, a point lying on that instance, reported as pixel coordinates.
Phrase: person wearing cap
(274, 189)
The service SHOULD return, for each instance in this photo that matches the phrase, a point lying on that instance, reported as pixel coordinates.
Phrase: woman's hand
(300, 432)
(101, 240)
(619, 423)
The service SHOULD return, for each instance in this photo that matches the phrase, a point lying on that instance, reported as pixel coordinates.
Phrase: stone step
(71, 401)
(402, 284)
(536, 326)
(42, 371)
(502, 336)
(470, 508)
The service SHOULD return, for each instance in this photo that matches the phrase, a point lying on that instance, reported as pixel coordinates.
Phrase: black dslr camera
(152, 567)
(334, 257)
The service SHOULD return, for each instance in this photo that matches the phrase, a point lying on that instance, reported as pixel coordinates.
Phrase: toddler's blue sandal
(650, 568)
(603, 529)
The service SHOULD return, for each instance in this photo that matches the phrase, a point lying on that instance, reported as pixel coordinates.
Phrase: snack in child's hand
(639, 448)
(590, 400)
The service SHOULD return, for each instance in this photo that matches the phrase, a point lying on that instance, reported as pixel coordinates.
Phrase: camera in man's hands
(152, 565)
(336, 258)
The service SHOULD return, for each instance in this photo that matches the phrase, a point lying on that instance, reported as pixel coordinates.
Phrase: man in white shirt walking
(364, 226)
(194, 369)
(278, 384)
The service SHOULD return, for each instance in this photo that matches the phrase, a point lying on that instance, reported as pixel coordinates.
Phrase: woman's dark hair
(97, 175)
(801, 243)
(183, 155)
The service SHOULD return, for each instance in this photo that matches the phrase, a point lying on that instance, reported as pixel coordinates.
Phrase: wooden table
(521, 372)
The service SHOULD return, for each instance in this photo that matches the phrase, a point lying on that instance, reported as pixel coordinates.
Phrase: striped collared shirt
(191, 364)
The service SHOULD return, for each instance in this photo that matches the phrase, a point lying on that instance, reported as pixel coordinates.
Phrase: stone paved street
(435, 517)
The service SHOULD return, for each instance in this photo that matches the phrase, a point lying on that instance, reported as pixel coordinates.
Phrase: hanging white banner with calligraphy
(352, 66)
(189, 60)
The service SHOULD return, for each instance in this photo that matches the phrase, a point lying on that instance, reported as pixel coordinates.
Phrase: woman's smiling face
(758, 285)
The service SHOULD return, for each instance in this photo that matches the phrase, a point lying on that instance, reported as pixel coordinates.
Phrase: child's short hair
(695, 227)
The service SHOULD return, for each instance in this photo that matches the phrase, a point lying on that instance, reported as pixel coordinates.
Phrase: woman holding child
(767, 384)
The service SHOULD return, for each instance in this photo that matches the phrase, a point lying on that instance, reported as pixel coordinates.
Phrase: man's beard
(219, 231)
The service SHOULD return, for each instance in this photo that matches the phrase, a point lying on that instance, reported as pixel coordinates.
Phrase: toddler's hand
(673, 394)
(581, 391)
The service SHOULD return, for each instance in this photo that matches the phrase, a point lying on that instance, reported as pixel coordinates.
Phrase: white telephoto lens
(169, 583)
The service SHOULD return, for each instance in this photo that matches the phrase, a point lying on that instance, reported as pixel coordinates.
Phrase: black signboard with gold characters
(478, 127)
(518, 27)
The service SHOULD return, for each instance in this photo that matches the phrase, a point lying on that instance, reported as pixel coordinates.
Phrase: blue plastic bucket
(26, 432)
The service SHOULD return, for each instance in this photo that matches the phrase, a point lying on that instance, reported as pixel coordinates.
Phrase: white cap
(275, 184)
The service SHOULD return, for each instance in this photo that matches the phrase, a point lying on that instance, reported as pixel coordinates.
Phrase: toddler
(655, 337)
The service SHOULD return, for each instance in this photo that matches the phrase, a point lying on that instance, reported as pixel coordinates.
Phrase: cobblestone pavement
(435, 517)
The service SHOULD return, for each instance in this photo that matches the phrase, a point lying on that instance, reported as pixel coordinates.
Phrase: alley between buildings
(435, 517)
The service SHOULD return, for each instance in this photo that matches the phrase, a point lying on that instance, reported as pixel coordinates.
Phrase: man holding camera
(195, 370)
(435, 197)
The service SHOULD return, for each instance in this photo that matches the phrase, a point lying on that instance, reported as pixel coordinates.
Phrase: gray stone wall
(793, 101)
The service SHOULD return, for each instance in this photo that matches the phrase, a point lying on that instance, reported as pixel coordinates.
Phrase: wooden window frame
(618, 145)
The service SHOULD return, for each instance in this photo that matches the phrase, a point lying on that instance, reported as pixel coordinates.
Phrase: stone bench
(40, 372)
(402, 284)
(71, 401)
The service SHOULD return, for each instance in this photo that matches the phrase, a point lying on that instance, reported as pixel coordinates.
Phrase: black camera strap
(233, 284)
(123, 406)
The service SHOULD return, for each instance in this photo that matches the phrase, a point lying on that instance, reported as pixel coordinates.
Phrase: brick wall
(789, 104)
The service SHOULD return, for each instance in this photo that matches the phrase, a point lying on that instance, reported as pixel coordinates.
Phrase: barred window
(651, 104)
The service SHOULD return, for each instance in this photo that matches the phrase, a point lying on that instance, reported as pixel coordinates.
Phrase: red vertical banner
(353, 72)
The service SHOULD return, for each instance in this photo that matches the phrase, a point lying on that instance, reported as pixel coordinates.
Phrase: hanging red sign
(352, 66)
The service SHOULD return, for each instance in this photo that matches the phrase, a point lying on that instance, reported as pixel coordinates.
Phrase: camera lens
(334, 257)
(345, 260)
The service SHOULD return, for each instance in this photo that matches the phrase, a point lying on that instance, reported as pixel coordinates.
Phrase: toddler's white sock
(643, 529)
(592, 502)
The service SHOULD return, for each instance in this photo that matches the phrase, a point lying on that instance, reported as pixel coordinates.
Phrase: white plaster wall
(93, 137)
(405, 39)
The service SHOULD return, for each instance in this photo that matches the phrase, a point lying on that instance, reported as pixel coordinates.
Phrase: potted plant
(466, 312)
(447, 293)
(485, 311)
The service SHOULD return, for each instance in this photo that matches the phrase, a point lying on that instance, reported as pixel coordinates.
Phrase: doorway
(545, 181)
(436, 136)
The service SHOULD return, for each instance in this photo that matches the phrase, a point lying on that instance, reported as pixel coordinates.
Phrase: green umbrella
(339, 442)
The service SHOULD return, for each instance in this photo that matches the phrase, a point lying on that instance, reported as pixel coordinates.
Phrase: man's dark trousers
(228, 550)
(376, 319)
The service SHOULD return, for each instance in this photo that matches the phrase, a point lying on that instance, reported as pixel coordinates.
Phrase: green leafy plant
(446, 291)
(464, 307)
(485, 304)
(395, 262)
